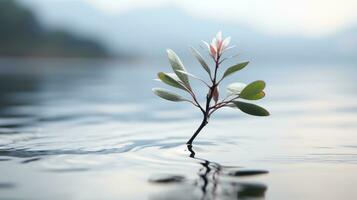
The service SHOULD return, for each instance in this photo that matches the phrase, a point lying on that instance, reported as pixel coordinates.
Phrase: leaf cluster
(237, 93)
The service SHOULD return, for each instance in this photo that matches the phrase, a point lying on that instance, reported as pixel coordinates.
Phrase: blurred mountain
(149, 31)
(22, 35)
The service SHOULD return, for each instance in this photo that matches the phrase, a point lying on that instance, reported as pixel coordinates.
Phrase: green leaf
(252, 90)
(193, 76)
(201, 60)
(251, 109)
(236, 88)
(165, 94)
(176, 64)
(234, 68)
(188, 74)
(257, 96)
(170, 80)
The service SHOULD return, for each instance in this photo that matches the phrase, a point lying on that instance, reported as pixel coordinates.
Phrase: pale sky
(312, 18)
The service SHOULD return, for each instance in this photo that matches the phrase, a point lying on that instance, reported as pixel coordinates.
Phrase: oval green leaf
(258, 96)
(251, 109)
(252, 90)
(176, 64)
(234, 69)
(193, 76)
(165, 94)
(170, 80)
(201, 60)
(188, 74)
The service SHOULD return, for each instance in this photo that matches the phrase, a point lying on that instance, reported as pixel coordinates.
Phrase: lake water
(88, 130)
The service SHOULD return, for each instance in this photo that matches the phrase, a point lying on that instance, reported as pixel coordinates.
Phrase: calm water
(86, 130)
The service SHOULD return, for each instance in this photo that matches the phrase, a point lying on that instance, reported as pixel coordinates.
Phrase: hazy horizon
(141, 28)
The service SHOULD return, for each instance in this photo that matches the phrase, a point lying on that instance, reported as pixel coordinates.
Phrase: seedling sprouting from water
(235, 91)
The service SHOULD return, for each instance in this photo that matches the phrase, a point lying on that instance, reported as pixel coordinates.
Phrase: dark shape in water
(208, 185)
(249, 190)
(247, 172)
(30, 160)
(166, 178)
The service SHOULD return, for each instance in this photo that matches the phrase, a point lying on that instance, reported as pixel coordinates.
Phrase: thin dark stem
(221, 104)
(206, 111)
(203, 124)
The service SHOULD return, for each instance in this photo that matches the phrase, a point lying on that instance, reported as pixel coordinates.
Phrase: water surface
(75, 129)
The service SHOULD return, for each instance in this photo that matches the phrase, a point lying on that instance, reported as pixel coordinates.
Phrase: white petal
(227, 48)
(219, 36)
(214, 44)
(213, 51)
(226, 42)
(207, 45)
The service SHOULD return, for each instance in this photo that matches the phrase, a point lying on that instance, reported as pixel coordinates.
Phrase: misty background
(304, 31)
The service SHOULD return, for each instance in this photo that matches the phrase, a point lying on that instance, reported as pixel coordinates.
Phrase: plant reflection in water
(214, 182)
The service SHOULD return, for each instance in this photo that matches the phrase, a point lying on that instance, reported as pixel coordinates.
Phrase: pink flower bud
(213, 51)
(218, 45)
